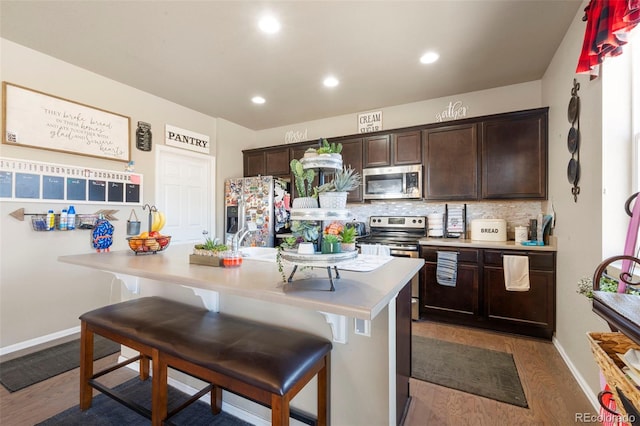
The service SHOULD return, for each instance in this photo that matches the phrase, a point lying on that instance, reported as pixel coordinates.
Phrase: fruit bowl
(148, 245)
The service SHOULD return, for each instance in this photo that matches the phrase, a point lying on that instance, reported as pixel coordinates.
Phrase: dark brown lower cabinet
(461, 300)
(480, 298)
(526, 312)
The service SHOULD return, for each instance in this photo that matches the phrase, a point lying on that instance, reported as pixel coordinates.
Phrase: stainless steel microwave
(387, 183)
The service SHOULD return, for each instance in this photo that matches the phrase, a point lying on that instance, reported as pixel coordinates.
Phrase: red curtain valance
(608, 25)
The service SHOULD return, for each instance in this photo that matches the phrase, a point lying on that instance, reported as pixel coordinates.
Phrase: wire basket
(605, 347)
(148, 245)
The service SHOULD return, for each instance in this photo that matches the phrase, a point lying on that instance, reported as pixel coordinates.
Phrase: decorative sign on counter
(370, 122)
(25, 180)
(186, 139)
(38, 120)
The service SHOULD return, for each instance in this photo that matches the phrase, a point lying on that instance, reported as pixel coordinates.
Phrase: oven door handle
(404, 253)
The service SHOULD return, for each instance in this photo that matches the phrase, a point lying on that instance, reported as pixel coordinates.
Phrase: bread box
(489, 230)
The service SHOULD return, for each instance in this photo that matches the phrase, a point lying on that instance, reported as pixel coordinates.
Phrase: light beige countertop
(361, 295)
(498, 245)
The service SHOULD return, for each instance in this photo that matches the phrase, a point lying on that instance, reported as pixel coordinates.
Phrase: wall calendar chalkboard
(25, 180)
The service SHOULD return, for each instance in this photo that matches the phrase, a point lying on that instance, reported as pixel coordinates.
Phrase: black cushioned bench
(264, 363)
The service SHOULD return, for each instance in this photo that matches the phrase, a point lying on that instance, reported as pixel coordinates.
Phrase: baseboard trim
(38, 340)
(576, 374)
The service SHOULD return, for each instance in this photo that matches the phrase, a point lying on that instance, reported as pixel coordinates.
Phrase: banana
(155, 221)
(162, 220)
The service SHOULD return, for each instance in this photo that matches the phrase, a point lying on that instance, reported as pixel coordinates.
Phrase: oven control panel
(398, 222)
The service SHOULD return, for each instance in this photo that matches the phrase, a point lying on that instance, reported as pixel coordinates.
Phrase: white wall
(39, 295)
(578, 224)
(492, 101)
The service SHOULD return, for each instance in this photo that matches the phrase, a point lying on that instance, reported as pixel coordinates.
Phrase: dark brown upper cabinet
(407, 148)
(267, 162)
(514, 156)
(377, 151)
(396, 149)
(254, 163)
(451, 162)
(277, 162)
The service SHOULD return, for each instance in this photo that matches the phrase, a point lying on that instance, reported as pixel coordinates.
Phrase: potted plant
(330, 244)
(348, 238)
(303, 180)
(210, 253)
(329, 148)
(333, 195)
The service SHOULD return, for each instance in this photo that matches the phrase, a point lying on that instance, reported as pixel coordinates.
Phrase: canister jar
(521, 234)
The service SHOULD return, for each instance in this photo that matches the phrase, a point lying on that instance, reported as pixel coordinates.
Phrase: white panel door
(185, 183)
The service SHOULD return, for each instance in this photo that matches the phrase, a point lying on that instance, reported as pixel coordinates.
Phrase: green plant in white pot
(303, 180)
(333, 194)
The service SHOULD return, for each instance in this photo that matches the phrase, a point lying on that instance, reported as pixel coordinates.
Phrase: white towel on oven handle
(516, 272)
(375, 249)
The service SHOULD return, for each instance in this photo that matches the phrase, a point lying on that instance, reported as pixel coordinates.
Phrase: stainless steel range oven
(400, 234)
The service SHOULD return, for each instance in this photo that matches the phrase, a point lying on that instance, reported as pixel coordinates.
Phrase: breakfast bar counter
(361, 313)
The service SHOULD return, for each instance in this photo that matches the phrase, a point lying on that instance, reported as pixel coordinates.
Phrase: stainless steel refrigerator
(259, 204)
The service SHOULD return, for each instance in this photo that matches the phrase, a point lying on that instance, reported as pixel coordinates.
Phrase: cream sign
(370, 122)
(186, 139)
(453, 111)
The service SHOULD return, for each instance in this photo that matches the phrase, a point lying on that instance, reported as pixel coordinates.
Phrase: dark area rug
(105, 411)
(491, 374)
(24, 371)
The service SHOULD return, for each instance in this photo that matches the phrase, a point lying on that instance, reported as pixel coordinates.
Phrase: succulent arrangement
(211, 247)
(307, 230)
(329, 148)
(348, 234)
(303, 178)
(344, 180)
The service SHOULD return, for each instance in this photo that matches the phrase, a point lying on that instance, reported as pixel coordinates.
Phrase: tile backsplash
(516, 213)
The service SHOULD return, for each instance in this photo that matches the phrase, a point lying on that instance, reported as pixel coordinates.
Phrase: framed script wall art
(38, 120)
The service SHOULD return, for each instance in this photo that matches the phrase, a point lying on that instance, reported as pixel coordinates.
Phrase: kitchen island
(361, 313)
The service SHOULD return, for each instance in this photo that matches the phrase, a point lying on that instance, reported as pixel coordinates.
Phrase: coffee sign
(370, 122)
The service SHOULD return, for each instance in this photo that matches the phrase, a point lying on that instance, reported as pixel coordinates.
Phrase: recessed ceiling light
(269, 25)
(258, 100)
(429, 58)
(330, 81)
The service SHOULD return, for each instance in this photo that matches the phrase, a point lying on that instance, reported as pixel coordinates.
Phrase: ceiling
(210, 56)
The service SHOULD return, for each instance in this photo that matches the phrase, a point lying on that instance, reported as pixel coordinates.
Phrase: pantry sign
(370, 122)
(186, 139)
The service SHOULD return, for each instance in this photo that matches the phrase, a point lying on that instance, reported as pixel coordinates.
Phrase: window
(620, 142)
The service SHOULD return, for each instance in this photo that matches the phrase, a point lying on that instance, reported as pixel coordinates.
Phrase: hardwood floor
(554, 396)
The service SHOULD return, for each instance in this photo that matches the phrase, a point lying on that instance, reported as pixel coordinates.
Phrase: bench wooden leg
(324, 392)
(144, 367)
(159, 388)
(86, 366)
(279, 410)
(216, 399)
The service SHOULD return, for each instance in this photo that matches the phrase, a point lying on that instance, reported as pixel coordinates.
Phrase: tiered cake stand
(323, 164)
